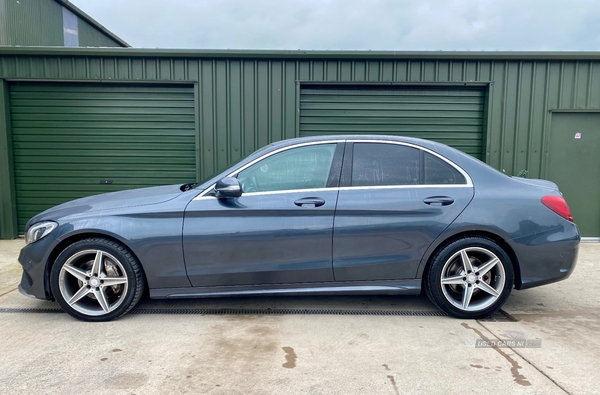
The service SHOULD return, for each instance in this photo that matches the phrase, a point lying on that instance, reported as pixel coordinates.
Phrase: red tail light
(559, 205)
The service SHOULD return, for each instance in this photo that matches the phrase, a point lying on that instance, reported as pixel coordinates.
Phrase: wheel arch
(74, 238)
(442, 242)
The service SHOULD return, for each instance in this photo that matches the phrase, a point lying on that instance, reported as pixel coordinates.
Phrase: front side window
(377, 164)
(305, 167)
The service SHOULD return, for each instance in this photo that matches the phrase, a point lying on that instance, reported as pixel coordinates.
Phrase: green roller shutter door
(450, 115)
(76, 140)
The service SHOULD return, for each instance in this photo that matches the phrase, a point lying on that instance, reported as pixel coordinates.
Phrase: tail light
(559, 205)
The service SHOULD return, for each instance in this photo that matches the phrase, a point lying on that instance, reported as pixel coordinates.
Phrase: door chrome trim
(406, 186)
(357, 188)
(387, 287)
(276, 192)
(337, 290)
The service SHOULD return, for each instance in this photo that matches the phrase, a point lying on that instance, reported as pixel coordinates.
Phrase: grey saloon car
(319, 215)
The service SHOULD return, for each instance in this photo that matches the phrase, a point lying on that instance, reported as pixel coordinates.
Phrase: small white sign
(577, 135)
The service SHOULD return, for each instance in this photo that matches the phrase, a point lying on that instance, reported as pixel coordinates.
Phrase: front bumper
(35, 281)
(547, 257)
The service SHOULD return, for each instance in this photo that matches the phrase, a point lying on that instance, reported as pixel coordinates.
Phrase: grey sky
(352, 24)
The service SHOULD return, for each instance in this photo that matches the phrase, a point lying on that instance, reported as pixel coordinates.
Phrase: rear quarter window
(437, 171)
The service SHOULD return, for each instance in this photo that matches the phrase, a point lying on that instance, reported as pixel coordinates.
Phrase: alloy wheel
(472, 279)
(93, 282)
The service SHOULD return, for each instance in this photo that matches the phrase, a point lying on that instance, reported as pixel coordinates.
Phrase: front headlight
(39, 230)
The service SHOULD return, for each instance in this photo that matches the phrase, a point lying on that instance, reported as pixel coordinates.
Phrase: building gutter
(299, 54)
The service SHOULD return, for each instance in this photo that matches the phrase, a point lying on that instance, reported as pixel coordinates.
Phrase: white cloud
(353, 24)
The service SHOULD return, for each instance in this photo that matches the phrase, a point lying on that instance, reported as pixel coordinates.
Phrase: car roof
(374, 137)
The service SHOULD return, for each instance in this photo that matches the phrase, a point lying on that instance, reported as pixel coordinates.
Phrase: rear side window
(381, 164)
(437, 171)
(376, 164)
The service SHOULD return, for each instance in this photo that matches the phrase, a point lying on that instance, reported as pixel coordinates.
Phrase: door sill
(393, 287)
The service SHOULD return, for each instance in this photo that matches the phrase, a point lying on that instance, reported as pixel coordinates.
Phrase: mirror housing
(228, 187)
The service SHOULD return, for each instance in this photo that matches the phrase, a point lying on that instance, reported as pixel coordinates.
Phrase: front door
(573, 163)
(279, 231)
(394, 201)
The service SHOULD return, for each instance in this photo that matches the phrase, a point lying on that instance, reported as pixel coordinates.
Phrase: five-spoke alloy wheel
(97, 280)
(470, 278)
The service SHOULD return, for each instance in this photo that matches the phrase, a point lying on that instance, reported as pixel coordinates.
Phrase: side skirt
(397, 287)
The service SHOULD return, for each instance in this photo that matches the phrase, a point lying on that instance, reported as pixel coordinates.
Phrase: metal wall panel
(89, 36)
(449, 115)
(8, 213)
(245, 102)
(40, 23)
(32, 23)
(67, 139)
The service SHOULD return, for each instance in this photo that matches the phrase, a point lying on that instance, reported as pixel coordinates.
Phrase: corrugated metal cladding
(452, 116)
(245, 104)
(75, 140)
(31, 22)
(90, 37)
(40, 23)
(247, 100)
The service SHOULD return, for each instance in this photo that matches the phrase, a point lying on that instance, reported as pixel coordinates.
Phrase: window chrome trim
(469, 183)
(406, 186)
(346, 189)
(289, 191)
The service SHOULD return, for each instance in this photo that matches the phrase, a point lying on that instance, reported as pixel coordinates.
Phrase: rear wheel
(97, 280)
(470, 277)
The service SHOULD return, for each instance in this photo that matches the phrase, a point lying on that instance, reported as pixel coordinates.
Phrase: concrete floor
(307, 354)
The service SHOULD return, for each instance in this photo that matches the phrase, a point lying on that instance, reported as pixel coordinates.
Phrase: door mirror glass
(228, 187)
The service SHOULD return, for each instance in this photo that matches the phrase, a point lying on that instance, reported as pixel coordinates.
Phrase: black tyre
(97, 279)
(470, 277)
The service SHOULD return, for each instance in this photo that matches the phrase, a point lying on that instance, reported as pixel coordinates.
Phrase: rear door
(395, 200)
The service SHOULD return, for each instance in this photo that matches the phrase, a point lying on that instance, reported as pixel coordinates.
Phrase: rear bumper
(547, 257)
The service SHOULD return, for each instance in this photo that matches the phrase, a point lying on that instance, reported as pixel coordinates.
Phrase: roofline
(298, 54)
(73, 8)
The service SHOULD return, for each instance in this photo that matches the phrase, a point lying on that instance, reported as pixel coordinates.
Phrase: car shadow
(362, 302)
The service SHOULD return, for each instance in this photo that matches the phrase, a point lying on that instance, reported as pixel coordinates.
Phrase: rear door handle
(438, 200)
(309, 202)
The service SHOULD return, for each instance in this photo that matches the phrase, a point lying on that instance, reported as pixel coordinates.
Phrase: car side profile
(318, 215)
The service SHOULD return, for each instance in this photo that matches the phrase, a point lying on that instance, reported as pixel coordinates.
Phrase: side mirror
(228, 187)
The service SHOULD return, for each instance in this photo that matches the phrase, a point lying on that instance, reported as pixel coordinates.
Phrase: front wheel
(470, 278)
(96, 279)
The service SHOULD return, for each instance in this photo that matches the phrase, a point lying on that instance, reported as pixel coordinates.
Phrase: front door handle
(438, 200)
(309, 202)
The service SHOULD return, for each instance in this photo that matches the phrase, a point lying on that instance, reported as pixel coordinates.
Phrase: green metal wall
(8, 208)
(449, 115)
(244, 104)
(40, 23)
(76, 140)
(89, 36)
(246, 100)
(31, 22)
